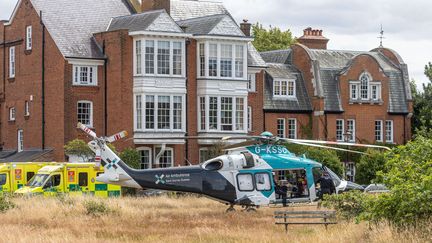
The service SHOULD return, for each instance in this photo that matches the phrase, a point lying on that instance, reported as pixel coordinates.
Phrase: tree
(271, 39)
(131, 157)
(79, 148)
(422, 118)
(368, 166)
(326, 157)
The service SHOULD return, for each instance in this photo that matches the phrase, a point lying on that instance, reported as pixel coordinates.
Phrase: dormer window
(284, 89)
(365, 89)
(85, 75)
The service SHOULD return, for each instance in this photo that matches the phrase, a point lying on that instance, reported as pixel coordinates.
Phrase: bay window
(222, 60)
(222, 114)
(159, 112)
(159, 57)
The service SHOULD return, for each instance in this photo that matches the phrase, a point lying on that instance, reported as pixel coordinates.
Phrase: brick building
(164, 69)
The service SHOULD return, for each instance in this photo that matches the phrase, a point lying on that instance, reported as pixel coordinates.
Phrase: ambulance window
(83, 179)
(30, 175)
(2, 179)
(262, 181)
(56, 180)
(245, 182)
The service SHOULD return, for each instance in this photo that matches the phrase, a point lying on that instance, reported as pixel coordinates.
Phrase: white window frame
(249, 118)
(342, 122)
(290, 129)
(156, 41)
(369, 79)
(283, 127)
(252, 82)
(156, 153)
(279, 82)
(138, 57)
(150, 150)
(76, 80)
(389, 131)
(356, 86)
(378, 90)
(26, 108)
(20, 140)
(12, 62)
(155, 120)
(233, 45)
(29, 39)
(12, 114)
(219, 124)
(91, 111)
(352, 139)
(380, 131)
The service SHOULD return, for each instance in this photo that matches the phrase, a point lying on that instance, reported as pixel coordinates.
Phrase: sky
(349, 24)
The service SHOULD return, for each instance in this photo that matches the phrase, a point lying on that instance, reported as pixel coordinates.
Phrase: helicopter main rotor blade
(239, 145)
(327, 147)
(87, 130)
(336, 143)
(117, 136)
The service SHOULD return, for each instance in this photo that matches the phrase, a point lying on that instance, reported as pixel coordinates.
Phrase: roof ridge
(142, 13)
(202, 17)
(275, 50)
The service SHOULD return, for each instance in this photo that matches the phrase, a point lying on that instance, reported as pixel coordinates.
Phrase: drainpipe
(105, 92)
(43, 81)
(186, 102)
(159, 155)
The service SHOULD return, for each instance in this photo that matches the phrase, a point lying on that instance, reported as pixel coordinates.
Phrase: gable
(226, 26)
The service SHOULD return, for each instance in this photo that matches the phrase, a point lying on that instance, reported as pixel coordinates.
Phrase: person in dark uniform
(326, 184)
(281, 190)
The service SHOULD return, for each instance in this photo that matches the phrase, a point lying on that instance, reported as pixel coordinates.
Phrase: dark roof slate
(220, 24)
(278, 56)
(188, 9)
(24, 156)
(282, 71)
(158, 21)
(254, 57)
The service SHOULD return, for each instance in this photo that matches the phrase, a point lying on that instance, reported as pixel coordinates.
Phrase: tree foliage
(131, 157)
(326, 157)
(271, 39)
(79, 148)
(422, 105)
(368, 166)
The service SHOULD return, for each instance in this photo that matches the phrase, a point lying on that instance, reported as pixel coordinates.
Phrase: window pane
(245, 182)
(204, 155)
(239, 61)
(239, 114)
(226, 113)
(213, 113)
(83, 75)
(277, 88)
(389, 131)
(213, 60)
(84, 113)
(291, 88)
(150, 111)
(149, 57)
(3, 179)
(83, 179)
(177, 112)
(177, 58)
(163, 112)
(351, 130)
(145, 159)
(138, 56)
(163, 57)
(202, 59)
(281, 127)
(378, 131)
(202, 113)
(354, 91)
(226, 61)
(166, 160)
(292, 128)
(138, 112)
(249, 117)
(339, 130)
(262, 182)
(364, 87)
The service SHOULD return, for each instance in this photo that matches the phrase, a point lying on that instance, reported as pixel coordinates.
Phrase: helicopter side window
(250, 162)
(245, 182)
(262, 181)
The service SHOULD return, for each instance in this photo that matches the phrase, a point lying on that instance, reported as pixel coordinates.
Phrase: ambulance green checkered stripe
(113, 193)
(101, 187)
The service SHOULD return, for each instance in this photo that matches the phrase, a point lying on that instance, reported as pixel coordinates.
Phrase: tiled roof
(72, 23)
(283, 71)
(157, 20)
(188, 9)
(254, 57)
(277, 56)
(220, 24)
(24, 156)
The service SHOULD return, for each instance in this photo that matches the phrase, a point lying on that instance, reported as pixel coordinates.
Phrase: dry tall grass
(163, 219)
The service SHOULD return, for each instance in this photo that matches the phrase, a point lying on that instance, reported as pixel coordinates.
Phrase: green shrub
(349, 205)
(5, 203)
(369, 165)
(95, 208)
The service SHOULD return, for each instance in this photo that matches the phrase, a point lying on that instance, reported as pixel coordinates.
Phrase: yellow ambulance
(69, 178)
(15, 175)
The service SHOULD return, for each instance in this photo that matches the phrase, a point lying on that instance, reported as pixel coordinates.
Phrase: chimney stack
(246, 27)
(313, 38)
(148, 5)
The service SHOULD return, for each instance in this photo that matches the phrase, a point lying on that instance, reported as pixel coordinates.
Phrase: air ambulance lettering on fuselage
(269, 149)
(172, 178)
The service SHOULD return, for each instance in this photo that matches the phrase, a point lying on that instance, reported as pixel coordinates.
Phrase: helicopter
(245, 176)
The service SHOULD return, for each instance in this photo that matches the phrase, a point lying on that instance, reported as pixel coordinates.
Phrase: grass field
(163, 219)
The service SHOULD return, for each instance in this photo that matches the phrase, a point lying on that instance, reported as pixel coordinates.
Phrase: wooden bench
(284, 217)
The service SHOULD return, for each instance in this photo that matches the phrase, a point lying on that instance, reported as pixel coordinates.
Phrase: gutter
(43, 81)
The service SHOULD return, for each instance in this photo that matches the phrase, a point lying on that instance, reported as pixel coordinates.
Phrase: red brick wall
(192, 103)
(27, 82)
(256, 102)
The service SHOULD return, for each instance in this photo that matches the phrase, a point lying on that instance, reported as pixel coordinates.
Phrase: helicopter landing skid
(250, 209)
(230, 209)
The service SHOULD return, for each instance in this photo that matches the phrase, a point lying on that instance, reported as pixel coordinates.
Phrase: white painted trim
(150, 150)
(85, 62)
(12, 59)
(94, 75)
(284, 127)
(353, 135)
(91, 111)
(12, 17)
(381, 131)
(223, 38)
(160, 34)
(29, 37)
(391, 131)
(20, 139)
(343, 129)
(295, 128)
(294, 96)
